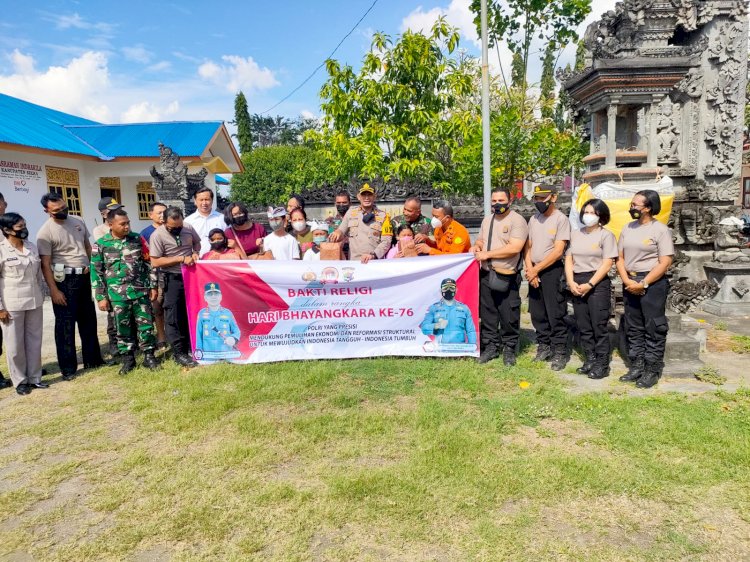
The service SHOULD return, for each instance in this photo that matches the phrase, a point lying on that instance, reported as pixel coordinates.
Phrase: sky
(137, 61)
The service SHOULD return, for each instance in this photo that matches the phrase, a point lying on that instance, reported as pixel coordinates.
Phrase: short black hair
(173, 213)
(229, 208)
(51, 197)
(217, 231)
(204, 189)
(299, 210)
(9, 220)
(446, 207)
(344, 193)
(116, 213)
(299, 199)
(502, 190)
(653, 201)
(156, 204)
(600, 208)
(403, 227)
(2, 197)
(413, 198)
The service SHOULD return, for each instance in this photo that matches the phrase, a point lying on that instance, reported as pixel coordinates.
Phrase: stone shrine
(173, 185)
(663, 94)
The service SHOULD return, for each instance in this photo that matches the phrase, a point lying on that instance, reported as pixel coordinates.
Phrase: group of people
(137, 277)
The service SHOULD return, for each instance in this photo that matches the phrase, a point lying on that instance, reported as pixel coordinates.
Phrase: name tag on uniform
(11, 259)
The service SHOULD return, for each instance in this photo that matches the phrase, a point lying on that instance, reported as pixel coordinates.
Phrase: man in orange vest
(451, 237)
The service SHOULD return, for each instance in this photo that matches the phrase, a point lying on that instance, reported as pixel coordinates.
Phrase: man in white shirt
(205, 219)
(279, 245)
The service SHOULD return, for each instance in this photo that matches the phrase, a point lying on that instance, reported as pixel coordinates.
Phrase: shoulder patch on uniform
(458, 240)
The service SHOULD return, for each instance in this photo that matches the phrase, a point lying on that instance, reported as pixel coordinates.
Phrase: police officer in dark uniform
(645, 254)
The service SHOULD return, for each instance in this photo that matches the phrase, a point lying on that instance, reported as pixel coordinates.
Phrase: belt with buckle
(637, 273)
(75, 270)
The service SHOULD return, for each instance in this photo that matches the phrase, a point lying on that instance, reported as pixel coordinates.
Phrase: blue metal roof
(186, 138)
(221, 180)
(29, 124)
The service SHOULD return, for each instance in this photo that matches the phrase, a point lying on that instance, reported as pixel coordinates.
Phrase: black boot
(600, 369)
(149, 361)
(588, 364)
(543, 352)
(509, 356)
(489, 353)
(651, 375)
(4, 383)
(559, 359)
(636, 371)
(128, 362)
(184, 360)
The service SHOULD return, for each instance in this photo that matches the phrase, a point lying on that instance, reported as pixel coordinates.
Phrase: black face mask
(542, 206)
(239, 220)
(219, 246)
(367, 218)
(342, 209)
(61, 215)
(175, 230)
(449, 295)
(23, 233)
(500, 208)
(635, 214)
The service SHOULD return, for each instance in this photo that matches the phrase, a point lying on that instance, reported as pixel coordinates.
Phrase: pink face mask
(406, 239)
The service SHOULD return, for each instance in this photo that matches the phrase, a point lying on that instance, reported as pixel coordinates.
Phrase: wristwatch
(590, 284)
(645, 285)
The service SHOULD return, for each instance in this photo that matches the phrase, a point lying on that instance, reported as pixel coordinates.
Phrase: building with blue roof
(43, 150)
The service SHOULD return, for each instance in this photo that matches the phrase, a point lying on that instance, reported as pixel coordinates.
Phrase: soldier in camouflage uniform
(124, 282)
(419, 224)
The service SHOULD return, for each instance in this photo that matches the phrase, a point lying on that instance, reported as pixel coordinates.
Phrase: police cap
(212, 288)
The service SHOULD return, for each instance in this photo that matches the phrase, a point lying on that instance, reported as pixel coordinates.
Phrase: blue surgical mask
(319, 239)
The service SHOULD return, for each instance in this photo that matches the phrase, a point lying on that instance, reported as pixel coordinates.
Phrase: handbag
(497, 281)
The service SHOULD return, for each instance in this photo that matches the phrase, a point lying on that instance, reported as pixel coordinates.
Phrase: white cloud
(307, 114)
(238, 74)
(137, 53)
(160, 66)
(76, 87)
(75, 21)
(457, 13)
(146, 111)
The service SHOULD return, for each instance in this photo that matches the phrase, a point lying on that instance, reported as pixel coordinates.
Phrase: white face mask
(436, 222)
(299, 226)
(590, 220)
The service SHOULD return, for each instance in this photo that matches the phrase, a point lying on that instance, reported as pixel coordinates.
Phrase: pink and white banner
(260, 311)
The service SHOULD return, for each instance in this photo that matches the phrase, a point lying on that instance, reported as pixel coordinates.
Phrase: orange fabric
(455, 240)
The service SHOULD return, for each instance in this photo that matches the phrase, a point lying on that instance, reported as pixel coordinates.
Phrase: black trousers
(646, 325)
(592, 315)
(175, 313)
(500, 314)
(79, 310)
(547, 307)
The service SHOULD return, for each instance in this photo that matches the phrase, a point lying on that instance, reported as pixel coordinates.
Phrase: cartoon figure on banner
(348, 273)
(449, 323)
(216, 331)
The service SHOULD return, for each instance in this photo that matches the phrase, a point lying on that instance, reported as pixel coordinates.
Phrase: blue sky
(139, 61)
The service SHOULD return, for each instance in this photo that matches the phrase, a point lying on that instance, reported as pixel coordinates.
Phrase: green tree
(562, 109)
(272, 173)
(242, 121)
(399, 116)
(580, 56)
(547, 84)
(517, 72)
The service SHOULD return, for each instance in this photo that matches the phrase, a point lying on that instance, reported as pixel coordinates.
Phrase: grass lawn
(386, 459)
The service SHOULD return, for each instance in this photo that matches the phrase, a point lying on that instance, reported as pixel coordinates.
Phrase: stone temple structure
(172, 183)
(663, 94)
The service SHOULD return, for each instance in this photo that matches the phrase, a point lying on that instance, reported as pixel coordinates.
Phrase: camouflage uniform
(420, 226)
(121, 273)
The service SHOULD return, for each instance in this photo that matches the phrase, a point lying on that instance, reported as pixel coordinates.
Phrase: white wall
(24, 191)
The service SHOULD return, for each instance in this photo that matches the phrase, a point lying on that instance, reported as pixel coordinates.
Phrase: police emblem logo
(458, 240)
(648, 241)
(552, 231)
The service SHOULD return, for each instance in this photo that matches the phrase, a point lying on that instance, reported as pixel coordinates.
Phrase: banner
(618, 196)
(259, 311)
